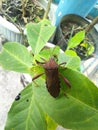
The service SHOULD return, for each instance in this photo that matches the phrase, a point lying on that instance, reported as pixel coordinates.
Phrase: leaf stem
(47, 9)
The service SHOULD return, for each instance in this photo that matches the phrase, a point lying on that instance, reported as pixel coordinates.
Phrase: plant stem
(91, 25)
(47, 9)
(0, 4)
(24, 5)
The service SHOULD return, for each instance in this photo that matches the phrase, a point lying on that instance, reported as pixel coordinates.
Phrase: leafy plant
(34, 108)
(81, 45)
(22, 11)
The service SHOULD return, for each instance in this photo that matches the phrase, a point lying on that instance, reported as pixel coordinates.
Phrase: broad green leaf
(16, 57)
(25, 113)
(72, 62)
(38, 34)
(76, 39)
(77, 110)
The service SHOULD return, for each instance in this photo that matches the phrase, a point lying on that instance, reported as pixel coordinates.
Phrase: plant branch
(91, 25)
(48, 8)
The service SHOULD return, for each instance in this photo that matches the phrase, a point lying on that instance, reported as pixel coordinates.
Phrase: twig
(47, 9)
(91, 25)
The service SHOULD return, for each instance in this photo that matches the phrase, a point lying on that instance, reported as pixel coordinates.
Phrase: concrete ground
(10, 85)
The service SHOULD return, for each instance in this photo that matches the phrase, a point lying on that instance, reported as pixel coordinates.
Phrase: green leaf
(25, 113)
(38, 34)
(16, 57)
(50, 52)
(78, 110)
(72, 62)
(90, 49)
(76, 39)
(70, 53)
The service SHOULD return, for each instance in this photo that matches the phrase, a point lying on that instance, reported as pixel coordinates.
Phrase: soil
(22, 12)
(70, 29)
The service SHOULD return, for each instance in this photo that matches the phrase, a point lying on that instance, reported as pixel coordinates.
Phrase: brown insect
(52, 77)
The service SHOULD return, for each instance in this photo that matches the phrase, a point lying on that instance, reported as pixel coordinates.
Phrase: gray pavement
(9, 87)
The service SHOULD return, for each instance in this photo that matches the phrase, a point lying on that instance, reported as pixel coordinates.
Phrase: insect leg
(66, 80)
(62, 63)
(37, 76)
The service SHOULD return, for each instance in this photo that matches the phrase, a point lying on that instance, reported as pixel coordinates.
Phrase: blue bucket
(56, 1)
(94, 12)
(79, 7)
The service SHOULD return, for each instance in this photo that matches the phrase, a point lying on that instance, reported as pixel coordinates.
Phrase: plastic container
(11, 32)
(59, 38)
(94, 12)
(80, 7)
(56, 1)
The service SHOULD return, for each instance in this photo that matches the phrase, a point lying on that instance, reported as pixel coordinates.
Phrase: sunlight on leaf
(70, 53)
(90, 49)
(51, 124)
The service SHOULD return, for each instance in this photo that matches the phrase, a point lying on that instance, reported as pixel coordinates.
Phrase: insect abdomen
(52, 77)
(52, 82)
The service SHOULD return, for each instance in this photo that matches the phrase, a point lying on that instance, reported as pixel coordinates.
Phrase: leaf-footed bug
(52, 77)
